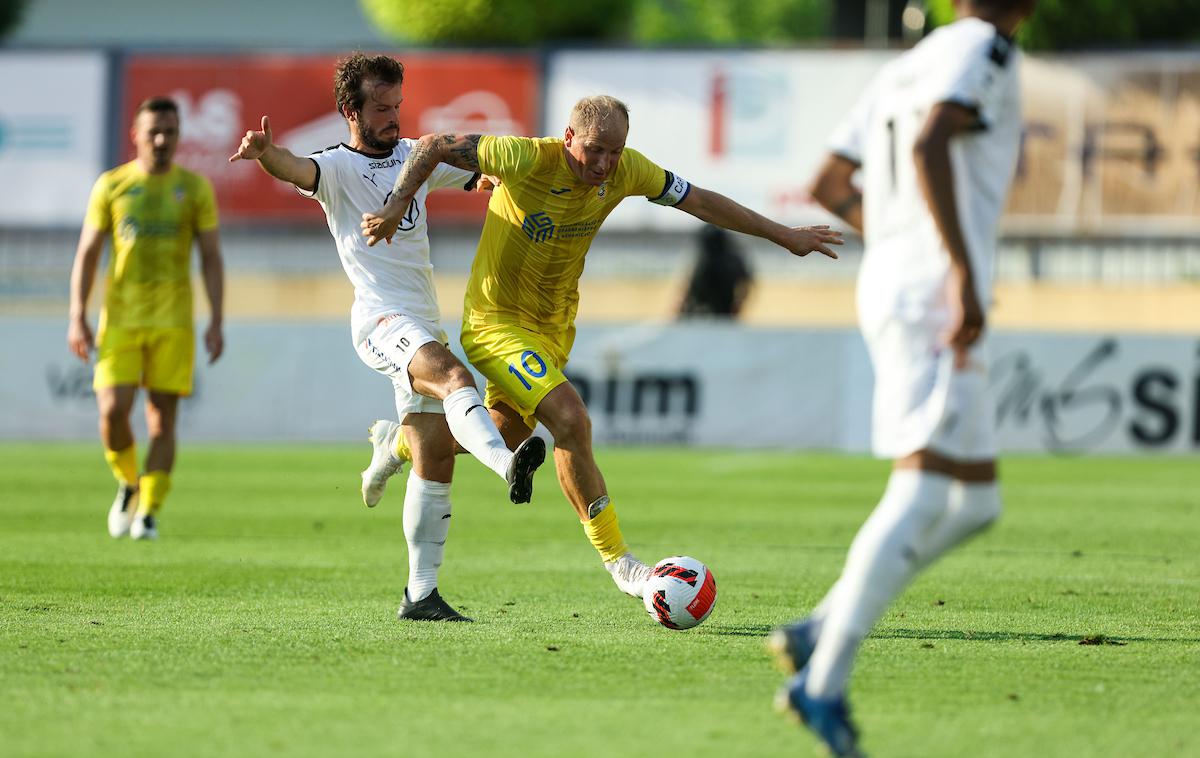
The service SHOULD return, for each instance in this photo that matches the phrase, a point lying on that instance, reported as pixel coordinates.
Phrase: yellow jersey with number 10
(540, 224)
(153, 219)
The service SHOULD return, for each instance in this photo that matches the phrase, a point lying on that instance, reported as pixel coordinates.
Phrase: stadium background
(263, 622)
(1096, 305)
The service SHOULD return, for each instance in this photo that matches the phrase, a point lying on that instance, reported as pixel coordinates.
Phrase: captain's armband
(675, 189)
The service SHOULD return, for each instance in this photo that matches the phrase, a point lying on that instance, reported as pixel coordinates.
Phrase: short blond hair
(597, 112)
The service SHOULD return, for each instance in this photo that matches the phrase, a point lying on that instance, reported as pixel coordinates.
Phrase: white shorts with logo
(921, 400)
(390, 347)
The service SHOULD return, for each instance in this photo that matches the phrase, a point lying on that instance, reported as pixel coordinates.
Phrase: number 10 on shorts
(533, 365)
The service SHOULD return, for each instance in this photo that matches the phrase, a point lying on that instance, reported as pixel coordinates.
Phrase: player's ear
(568, 136)
(349, 113)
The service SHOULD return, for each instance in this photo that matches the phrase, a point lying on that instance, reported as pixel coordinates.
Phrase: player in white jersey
(936, 137)
(394, 319)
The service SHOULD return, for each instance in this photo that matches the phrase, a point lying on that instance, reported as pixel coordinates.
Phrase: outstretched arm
(715, 208)
(279, 162)
(459, 150)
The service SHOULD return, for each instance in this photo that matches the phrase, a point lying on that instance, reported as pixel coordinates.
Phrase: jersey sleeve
(445, 175)
(328, 179)
(971, 77)
(99, 208)
(509, 158)
(206, 205)
(652, 181)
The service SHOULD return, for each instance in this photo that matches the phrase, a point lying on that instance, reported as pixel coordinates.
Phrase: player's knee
(458, 377)
(158, 423)
(573, 424)
(159, 430)
(111, 412)
(991, 514)
(982, 504)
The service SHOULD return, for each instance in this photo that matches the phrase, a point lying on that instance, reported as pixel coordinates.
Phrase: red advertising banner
(220, 97)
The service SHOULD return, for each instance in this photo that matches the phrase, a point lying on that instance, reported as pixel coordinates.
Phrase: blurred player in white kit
(936, 137)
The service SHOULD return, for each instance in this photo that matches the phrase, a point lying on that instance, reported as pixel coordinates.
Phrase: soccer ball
(680, 592)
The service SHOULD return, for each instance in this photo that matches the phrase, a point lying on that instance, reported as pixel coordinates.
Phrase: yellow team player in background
(523, 294)
(152, 210)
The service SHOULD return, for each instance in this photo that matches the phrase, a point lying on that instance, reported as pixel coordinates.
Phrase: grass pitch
(262, 623)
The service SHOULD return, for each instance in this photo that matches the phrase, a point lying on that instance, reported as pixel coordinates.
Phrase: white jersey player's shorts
(390, 347)
(922, 401)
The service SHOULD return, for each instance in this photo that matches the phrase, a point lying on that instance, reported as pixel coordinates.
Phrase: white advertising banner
(710, 385)
(725, 385)
(750, 125)
(51, 142)
(1109, 144)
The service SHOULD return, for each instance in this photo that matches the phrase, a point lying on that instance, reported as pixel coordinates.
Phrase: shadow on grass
(762, 630)
(737, 630)
(958, 634)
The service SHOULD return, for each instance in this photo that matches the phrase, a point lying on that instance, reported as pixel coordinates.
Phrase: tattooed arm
(459, 150)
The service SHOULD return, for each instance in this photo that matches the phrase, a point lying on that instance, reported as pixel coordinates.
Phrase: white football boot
(144, 527)
(120, 515)
(384, 463)
(629, 574)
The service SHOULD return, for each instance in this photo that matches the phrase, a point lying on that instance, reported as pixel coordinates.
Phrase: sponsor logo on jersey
(373, 165)
(411, 217)
(538, 227)
(603, 190)
(127, 230)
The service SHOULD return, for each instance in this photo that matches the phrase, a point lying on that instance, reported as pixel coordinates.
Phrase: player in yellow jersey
(152, 210)
(519, 319)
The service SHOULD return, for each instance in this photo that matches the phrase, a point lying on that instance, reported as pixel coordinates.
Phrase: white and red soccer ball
(680, 592)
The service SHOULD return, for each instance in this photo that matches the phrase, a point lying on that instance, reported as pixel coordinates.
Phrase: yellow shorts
(157, 359)
(521, 366)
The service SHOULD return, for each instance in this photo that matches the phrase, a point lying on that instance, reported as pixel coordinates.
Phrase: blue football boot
(793, 644)
(828, 719)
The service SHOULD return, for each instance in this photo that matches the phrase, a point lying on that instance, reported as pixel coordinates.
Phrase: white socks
(921, 516)
(881, 562)
(540, 430)
(973, 507)
(472, 426)
(426, 524)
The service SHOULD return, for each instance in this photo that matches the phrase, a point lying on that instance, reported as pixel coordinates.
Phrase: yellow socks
(124, 464)
(402, 450)
(604, 532)
(152, 490)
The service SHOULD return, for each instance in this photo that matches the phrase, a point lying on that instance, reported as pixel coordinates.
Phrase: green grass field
(262, 623)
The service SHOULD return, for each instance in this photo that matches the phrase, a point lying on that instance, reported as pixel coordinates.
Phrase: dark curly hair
(351, 72)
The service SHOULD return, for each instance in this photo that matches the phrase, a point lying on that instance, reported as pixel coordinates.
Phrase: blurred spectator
(721, 279)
